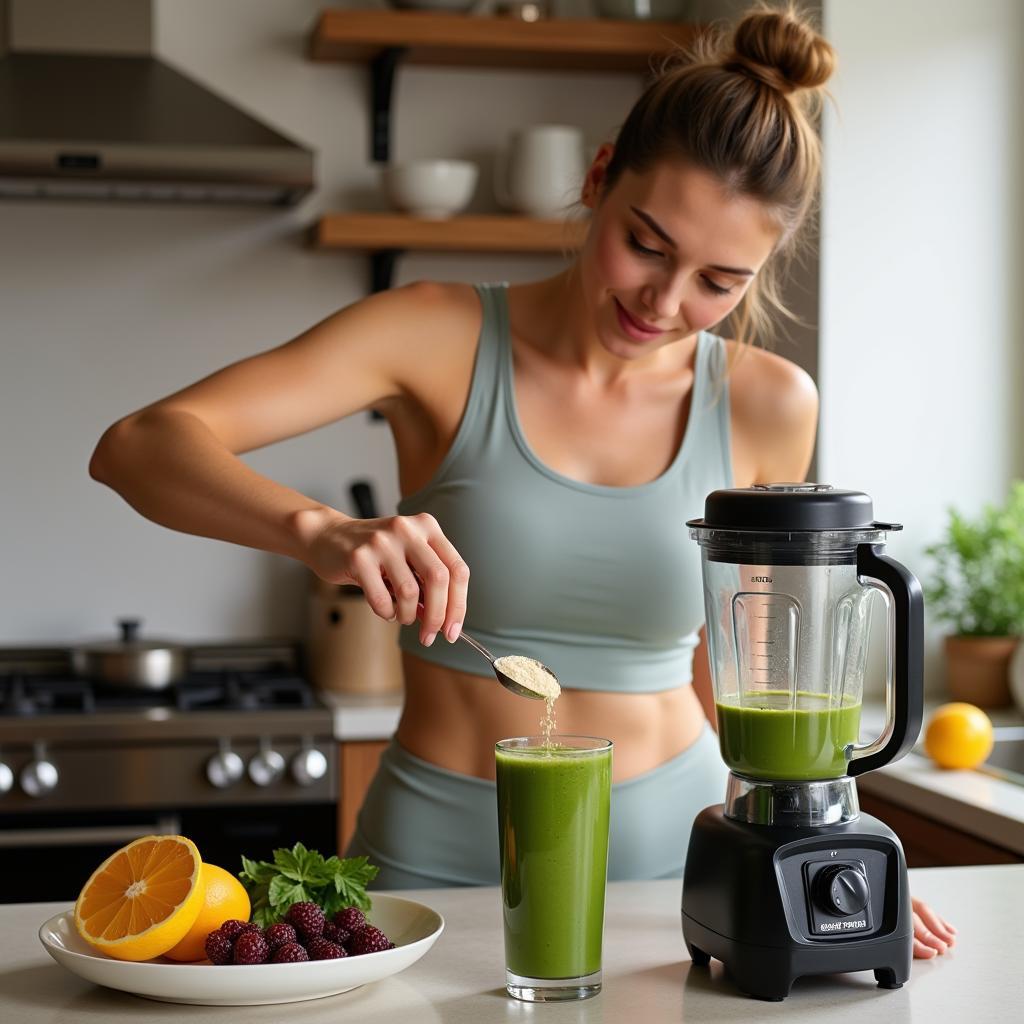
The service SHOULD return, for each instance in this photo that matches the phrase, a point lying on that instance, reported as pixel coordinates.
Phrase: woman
(554, 436)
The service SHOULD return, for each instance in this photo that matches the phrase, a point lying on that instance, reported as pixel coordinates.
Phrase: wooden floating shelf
(471, 233)
(597, 44)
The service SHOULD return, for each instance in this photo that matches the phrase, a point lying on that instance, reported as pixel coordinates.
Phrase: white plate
(413, 928)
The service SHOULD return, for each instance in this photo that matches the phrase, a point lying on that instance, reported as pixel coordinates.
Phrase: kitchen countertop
(360, 716)
(981, 804)
(646, 974)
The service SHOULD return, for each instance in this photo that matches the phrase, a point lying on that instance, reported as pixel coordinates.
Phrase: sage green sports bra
(601, 584)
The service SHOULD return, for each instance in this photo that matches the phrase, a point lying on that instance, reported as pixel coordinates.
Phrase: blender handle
(905, 699)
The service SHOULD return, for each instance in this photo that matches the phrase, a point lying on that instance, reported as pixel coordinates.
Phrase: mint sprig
(298, 875)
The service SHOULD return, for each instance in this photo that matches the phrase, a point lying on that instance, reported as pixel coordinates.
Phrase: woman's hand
(407, 556)
(932, 935)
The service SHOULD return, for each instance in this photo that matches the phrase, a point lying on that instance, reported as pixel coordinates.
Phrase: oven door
(50, 856)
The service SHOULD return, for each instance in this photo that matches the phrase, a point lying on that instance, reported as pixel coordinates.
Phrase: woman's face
(668, 254)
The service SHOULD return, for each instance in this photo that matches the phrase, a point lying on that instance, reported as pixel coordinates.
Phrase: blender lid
(789, 507)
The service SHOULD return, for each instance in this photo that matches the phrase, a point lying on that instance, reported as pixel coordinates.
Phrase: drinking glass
(553, 803)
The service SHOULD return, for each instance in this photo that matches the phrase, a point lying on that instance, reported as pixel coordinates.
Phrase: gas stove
(240, 756)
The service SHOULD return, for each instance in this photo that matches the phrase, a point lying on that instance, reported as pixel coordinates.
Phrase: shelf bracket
(382, 272)
(382, 72)
(382, 268)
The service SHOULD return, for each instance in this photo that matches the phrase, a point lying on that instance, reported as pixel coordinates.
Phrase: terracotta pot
(977, 669)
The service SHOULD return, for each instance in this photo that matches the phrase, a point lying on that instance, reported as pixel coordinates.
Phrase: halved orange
(142, 899)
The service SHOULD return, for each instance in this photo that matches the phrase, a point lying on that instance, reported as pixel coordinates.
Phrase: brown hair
(743, 106)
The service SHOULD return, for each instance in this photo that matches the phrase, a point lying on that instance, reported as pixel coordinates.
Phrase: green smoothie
(767, 738)
(553, 833)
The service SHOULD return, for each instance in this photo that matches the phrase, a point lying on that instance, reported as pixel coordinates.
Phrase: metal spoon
(506, 680)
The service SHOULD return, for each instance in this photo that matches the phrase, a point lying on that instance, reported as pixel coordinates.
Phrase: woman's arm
(701, 679)
(176, 461)
(774, 418)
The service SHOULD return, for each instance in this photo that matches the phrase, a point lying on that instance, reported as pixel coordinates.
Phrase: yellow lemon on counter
(225, 898)
(958, 735)
(142, 899)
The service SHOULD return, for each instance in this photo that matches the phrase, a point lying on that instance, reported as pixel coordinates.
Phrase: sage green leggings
(426, 826)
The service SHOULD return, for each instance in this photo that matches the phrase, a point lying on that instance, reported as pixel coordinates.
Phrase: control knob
(39, 777)
(842, 890)
(6, 778)
(266, 766)
(309, 765)
(225, 768)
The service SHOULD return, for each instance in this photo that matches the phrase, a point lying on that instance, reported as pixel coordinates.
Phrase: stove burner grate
(223, 690)
(25, 696)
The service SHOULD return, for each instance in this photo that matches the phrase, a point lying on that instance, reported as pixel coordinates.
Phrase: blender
(787, 878)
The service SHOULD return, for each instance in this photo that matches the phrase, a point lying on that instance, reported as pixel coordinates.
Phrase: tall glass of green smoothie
(553, 803)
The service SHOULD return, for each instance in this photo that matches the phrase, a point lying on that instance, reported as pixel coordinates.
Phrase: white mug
(542, 172)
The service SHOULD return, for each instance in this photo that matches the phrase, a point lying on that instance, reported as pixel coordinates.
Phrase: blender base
(762, 900)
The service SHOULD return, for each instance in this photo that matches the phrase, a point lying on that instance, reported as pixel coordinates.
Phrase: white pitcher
(542, 172)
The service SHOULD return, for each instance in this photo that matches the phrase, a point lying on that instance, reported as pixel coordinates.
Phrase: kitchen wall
(922, 318)
(104, 308)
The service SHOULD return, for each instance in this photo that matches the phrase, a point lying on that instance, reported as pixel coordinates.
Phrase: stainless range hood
(78, 125)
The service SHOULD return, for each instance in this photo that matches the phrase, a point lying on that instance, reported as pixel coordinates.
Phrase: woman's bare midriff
(453, 720)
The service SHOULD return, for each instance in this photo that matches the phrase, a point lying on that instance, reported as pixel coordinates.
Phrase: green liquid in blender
(767, 738)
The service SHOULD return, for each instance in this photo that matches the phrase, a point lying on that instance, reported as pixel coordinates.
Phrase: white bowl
(413, 927)
(435, 189)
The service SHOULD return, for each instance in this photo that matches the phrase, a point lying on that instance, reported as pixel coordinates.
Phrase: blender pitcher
(790, 574)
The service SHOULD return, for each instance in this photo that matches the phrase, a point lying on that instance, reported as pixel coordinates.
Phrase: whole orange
(225, 899)
(958, 735)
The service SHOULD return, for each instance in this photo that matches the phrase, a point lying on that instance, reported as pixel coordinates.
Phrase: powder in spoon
(532, 675)
(529, 673)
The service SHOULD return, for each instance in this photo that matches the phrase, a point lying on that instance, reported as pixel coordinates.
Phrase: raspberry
(307, 919)
(335, 934)
(233, 928)
(369, 940)
(219, 948)
(289, 953)
(279, 935)
(251, 948)
(351, 920)
(321, 949)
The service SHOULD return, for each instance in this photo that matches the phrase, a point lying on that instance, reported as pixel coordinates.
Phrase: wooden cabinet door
(928, 843)
(357, 764)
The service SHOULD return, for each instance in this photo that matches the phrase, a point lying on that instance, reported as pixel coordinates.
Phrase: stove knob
(266, 767)
(39, 777)
(843, 890)
(309, 765)
(6, 778)
(224, 769)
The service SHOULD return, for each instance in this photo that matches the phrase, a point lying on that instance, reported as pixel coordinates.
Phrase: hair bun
(780, 49)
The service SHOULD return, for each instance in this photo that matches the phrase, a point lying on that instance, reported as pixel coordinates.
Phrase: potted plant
(978, 589)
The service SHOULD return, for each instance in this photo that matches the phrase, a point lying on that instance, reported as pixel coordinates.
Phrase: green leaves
(978, 585)
(298, 875)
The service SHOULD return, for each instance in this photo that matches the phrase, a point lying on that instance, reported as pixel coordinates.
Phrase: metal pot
(131, 663)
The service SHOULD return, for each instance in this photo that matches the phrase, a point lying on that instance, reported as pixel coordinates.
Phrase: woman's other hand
(411, 554)
(932, 935)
